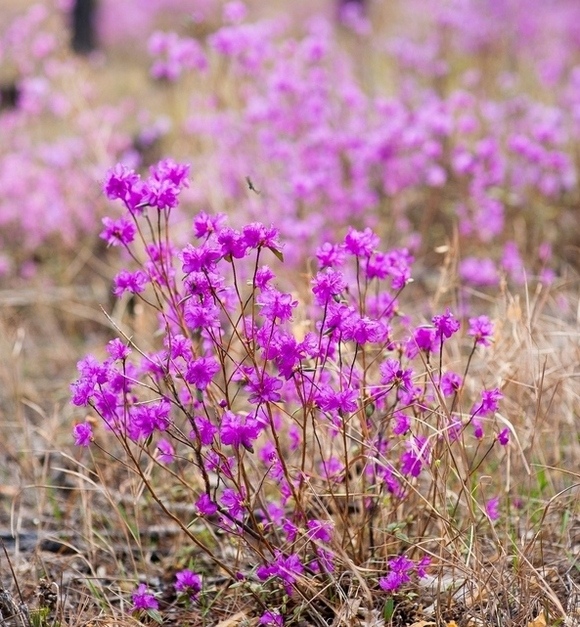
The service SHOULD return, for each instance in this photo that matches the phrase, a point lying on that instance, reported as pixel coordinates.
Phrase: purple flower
(163, 194)
(173, 55)
(143, 600)
(200, 259)
(424, 338)
(264, 388)
(204, 429)
(402, 423)
(276, 305)
(446, 325)
(119, 181)
(421, 568)
(201, 316)
(396, 264)
(82, 391)
(235, 12)
(145, 419)
(117, 350)
(137, 197)
(263, 276)
(238, 431)
(169, 170)
(118, 232)
(83, 433)
(290, 529)
(232, 242)
(363, 330)
(271, 619)
(286, 568)
(330, 255)
(450, 383)
(512, 263)
(320, 530)
(361, 243)
(492, 508)
(233, 501)
(393, 374)
(400, 570)
(417, 454)
(188, 583)
(200, 372)
(328, 284)
(257, 235)
(481, 328)
(332, 468)
(503, 437)
(133, 282)
(165, 451)
(478, 271)
(205, 225)
(205, 506)
(489, 402)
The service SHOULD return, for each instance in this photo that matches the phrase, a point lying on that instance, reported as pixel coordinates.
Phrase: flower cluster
(258, 408)
(341, 148)
(174, 54)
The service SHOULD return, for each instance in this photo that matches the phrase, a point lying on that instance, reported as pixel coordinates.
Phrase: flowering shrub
(300, 427)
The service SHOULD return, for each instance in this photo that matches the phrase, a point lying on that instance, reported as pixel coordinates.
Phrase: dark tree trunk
(9, 95)
(83, 24)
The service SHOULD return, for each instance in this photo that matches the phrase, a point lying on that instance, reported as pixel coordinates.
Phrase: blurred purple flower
(118, 232)
(143, 600)
(503, 437)
(165, 451)
(492, 508)
(83, 433)
(188, 583)
(481, 328)
(271, 619)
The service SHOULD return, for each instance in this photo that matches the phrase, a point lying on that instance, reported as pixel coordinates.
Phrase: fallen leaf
(234, 620)
(539, 621)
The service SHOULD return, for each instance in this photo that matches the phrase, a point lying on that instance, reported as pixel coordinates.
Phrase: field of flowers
(289, 314)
